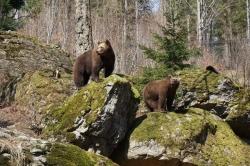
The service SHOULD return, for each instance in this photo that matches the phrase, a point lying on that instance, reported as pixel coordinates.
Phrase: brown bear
(91, 62)
(159, 93)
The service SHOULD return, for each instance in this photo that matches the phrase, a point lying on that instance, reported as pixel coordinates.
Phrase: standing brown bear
(91, 62)
(157, 92)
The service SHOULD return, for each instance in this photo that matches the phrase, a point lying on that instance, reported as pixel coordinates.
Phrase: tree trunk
(84, 39)
(137, 32)
(248, 20)
(51, 16)
(199, 33)
(124, 58)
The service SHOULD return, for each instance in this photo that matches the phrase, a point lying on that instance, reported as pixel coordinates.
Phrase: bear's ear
(107, 42)
(98, 43)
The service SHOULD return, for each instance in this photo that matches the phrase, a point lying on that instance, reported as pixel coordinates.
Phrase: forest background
(220, 30)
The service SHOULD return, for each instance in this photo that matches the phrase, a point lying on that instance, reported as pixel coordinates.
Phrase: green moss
(70, 155)
(41, 91)
(198, 80)
(186, 127)
(215, 141)
(240, 106)
(87, 103)
(224, 147)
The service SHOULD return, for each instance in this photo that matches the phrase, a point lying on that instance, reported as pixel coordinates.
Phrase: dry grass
(12, 147)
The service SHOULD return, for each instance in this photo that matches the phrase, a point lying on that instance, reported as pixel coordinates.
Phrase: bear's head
(103, 46)
(174, 82)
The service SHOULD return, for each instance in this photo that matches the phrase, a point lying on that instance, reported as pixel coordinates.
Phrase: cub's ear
(98, 42)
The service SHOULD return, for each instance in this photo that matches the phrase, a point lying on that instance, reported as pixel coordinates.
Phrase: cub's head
(103, 46)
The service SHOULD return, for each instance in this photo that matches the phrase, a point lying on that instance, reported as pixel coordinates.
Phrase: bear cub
(90, 63)
(160, 93)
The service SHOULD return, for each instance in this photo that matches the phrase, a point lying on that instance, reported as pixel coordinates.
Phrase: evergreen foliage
(172, 47)
(8, 9)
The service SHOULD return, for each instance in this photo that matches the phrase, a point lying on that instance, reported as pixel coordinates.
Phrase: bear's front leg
(95, 77)
(95, 74)
(162, 103)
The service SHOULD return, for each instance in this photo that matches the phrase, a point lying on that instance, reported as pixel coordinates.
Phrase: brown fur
(212, 69)
(91, 62)
(159, 93)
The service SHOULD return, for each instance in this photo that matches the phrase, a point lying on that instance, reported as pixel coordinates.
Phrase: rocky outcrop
(216, 94)
(239, 116)
(97, 117)
(40, 91)
(196, 137)
(16, 148)
(19, 55)
(206, 90)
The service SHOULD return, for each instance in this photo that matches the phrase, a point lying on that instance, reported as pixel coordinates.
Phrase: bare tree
(248, 19)
(51, 16)
(84, 39)
(65, 21)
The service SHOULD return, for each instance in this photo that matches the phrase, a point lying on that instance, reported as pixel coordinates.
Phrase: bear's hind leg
(108, 71)
(86, 78)
(151, 104)
(79, 80)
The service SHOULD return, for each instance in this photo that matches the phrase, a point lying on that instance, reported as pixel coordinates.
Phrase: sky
(156, 4)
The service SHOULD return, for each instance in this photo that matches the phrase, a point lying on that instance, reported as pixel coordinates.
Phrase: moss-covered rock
(20, 54)
(70, 155)
(19, 149)
(206, 90)
(196, 138)
(96, 117)
(40, 91)
(239, 116)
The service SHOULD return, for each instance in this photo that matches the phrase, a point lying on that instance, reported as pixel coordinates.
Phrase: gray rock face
(19, 54)
(113, 122)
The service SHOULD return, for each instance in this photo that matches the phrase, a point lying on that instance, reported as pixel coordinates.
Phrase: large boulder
(239, 116)
(95, 118)
(217, 94)
(207, 90)
(40, 91)
(196, 137)
(20, 149)
(19, 55)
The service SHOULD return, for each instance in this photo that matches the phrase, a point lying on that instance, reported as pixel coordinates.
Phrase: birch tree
(84, 39)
